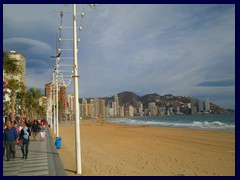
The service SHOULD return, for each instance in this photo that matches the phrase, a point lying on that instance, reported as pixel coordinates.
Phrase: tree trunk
(13, 107)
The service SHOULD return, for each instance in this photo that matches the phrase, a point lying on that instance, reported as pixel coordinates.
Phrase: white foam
(195, 124)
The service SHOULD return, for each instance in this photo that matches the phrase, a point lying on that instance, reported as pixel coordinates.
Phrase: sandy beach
(121, 150)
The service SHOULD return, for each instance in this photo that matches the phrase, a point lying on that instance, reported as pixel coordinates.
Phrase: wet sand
(121, 150)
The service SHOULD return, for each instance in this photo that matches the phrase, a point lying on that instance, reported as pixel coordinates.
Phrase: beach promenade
(43, 160)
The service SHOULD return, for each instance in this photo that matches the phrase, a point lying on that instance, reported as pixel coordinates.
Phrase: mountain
(127, 97)
(150, 98)
(218, 110)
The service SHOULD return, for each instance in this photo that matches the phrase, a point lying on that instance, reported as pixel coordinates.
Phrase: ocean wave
(194, 124)
(213, 125)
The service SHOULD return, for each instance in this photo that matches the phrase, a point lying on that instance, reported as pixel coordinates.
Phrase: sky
(178, 49)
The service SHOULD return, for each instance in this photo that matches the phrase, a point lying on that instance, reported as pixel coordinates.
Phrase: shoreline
(174, 125)
(114, 149)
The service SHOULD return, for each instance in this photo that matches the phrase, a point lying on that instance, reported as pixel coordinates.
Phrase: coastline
(111, 149)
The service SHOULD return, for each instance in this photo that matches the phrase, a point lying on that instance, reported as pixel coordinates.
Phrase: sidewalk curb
(55, 164)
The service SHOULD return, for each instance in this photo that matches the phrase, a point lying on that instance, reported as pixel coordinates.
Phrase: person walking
(35, 128)
(20, 127)
(4, 148)
(15, 125)
(24, 137)
(10, 137)
(42, 133)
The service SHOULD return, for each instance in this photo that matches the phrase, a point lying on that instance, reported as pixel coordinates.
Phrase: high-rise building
(162, 110)
(116, 106)
(176, 106)
(48, 89)
(153, 109)
(141, 108)
(20, 60)
(70, 102)
(194, 105)
(84, 108)
(90, 110)
(131, 110)
(96, 111)
(102, 113)
(200, 106)
(62, 97)
(121, 111)
(206, 105)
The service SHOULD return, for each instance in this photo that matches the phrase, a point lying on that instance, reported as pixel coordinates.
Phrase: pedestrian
(20, 127)
(10, 137)
(24, 137)
(16, 126)
(4, 148)
(35, 128)
(42, 132)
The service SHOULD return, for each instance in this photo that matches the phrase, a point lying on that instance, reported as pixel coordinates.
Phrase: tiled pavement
(43, 160)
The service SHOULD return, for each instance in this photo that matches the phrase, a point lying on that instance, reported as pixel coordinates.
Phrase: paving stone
(41, 160)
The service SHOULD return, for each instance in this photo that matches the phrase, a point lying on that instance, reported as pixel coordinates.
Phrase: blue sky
(179, 49)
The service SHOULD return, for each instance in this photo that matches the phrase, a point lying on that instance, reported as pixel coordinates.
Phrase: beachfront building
(102, 109)
(110, 112)
(84, 108)
(63, 96)
(153, 110)
(162, 110)
(121, 110)
(194, 106)
(48, 89)
(200, 106)
(177, 106)
(116, 106)
(98, 108)
(131, 110)
(70, 107)
(20, 60)
(42, 101)
(207, 105)
(70, 102)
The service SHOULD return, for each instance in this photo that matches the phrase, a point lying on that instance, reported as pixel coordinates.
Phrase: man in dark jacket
(10, 137)
(35, 128)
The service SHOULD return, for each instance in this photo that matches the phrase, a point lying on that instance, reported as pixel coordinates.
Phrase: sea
(200, 121)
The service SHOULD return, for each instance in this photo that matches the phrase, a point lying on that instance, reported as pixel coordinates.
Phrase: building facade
(20, 60)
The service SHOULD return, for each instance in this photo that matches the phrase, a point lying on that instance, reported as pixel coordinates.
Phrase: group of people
(15, 133)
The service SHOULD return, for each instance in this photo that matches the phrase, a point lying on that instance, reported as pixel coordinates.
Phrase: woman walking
(24, 137)
(42, 133)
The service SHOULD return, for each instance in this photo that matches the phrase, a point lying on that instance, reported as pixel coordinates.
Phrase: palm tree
(9, 66)
(10, 69)
(29, 105)
(40, 111)
(21, 96)
(36, 94)
(13, 84)
(6, 109)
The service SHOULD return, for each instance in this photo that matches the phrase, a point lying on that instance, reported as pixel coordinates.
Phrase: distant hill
(127, 97)
(130, 98)
(218, 110)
